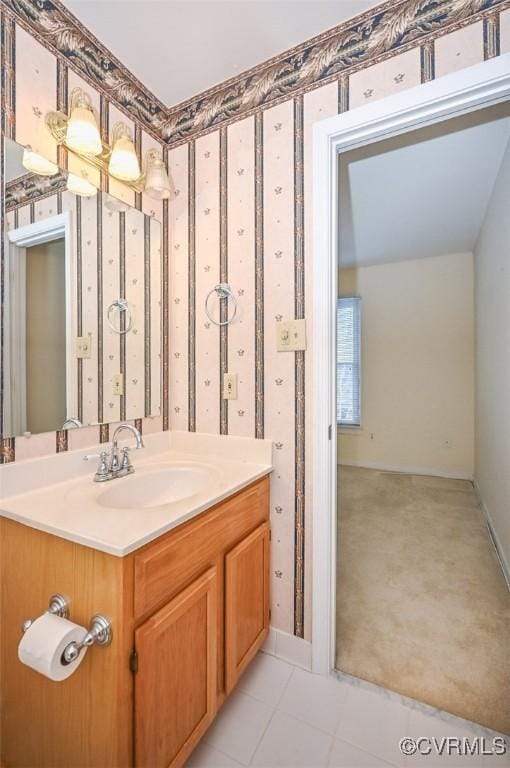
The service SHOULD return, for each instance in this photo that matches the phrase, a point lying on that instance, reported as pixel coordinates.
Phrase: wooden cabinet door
(246, 602)
(175, 684)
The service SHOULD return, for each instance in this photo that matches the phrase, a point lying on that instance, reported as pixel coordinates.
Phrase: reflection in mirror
(82, 303)
(44, 347)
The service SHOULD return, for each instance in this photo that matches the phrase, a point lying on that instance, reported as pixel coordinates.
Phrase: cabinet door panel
(164, 568)
(246, 602)
(175, 686)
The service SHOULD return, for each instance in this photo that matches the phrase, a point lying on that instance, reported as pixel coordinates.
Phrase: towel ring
(122, 306)
(222, 291)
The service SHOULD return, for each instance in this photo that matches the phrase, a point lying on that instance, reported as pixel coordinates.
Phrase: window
(348, 360)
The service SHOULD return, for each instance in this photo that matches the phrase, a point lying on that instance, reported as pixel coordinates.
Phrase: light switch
(291, 336)
(117, 384)
(84, 347)
(230, 386)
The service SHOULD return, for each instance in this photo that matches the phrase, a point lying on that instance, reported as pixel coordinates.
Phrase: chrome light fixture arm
(154, 170)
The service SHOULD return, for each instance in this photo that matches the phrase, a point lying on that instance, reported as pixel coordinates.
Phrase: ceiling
(421, 194)
(178, 48)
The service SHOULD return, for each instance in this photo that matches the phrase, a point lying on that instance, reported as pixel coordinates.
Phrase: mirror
(82, 304)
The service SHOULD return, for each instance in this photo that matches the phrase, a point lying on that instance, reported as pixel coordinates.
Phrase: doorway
(423, 607)
(39, 370)
(428, 105)
(45, 336)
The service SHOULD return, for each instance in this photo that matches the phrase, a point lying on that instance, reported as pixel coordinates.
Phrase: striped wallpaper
(241, 211)
(240, 162)
(116, 253)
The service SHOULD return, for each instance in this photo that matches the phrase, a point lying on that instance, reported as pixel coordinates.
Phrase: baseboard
(505, 567)
(289, 648)
(451, 474)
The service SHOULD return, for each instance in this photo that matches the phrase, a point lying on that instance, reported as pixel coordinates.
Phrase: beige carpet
(422, 605)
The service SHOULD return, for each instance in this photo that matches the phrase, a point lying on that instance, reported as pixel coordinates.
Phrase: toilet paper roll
(43, 643)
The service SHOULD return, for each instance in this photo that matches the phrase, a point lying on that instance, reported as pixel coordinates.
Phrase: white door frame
(460, 92)
(20, 239)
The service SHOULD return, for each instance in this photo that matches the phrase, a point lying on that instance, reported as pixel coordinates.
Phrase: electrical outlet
(117, 384)
(230, 386)
(84, 347)
(291, 336)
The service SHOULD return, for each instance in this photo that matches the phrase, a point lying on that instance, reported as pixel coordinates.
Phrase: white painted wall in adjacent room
(417, 366)
(492, 312)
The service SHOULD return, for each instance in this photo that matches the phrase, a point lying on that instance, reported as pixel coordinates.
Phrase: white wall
(417, 366)
(492, 312)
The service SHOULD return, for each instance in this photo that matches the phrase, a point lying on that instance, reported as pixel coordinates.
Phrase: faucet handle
(102, 471)
(114, 461)
(126, 468)
(90, 456)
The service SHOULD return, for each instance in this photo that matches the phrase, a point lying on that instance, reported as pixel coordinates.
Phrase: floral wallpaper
(62, 34)
(239, 156)
(389, 28)
(256, 172)
(112, 248)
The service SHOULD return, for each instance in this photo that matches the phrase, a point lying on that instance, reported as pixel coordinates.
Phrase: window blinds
(348, 361)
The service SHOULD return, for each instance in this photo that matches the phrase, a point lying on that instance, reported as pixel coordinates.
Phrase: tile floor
(280, 715)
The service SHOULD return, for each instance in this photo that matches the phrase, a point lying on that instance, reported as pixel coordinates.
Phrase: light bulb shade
(157, 183)
(38, 164)
(80, 187)
(123, 161)
(82, 133)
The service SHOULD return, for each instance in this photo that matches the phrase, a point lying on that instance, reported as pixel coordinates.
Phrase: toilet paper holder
(58, 605)
(98, 633)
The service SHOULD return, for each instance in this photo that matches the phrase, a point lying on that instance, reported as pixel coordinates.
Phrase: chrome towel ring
(122, 306)
(222, 291)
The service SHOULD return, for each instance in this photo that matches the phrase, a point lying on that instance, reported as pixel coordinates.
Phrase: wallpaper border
(54, 26)
(31, 188)
(380, 33)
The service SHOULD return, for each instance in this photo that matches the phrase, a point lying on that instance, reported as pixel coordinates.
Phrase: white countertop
(69, 507)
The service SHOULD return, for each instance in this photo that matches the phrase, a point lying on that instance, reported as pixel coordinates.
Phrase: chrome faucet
(113, 466)
(122, 466)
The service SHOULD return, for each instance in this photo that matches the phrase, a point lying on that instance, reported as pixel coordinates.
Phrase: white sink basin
(154, 488)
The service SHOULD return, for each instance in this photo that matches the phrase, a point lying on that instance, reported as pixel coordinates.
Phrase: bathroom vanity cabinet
(189, 611)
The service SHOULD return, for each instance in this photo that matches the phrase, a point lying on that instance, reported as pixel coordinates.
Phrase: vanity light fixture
(37, 163)
(82, 134)
(157, 183)
(80, 186)
(123, 163)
